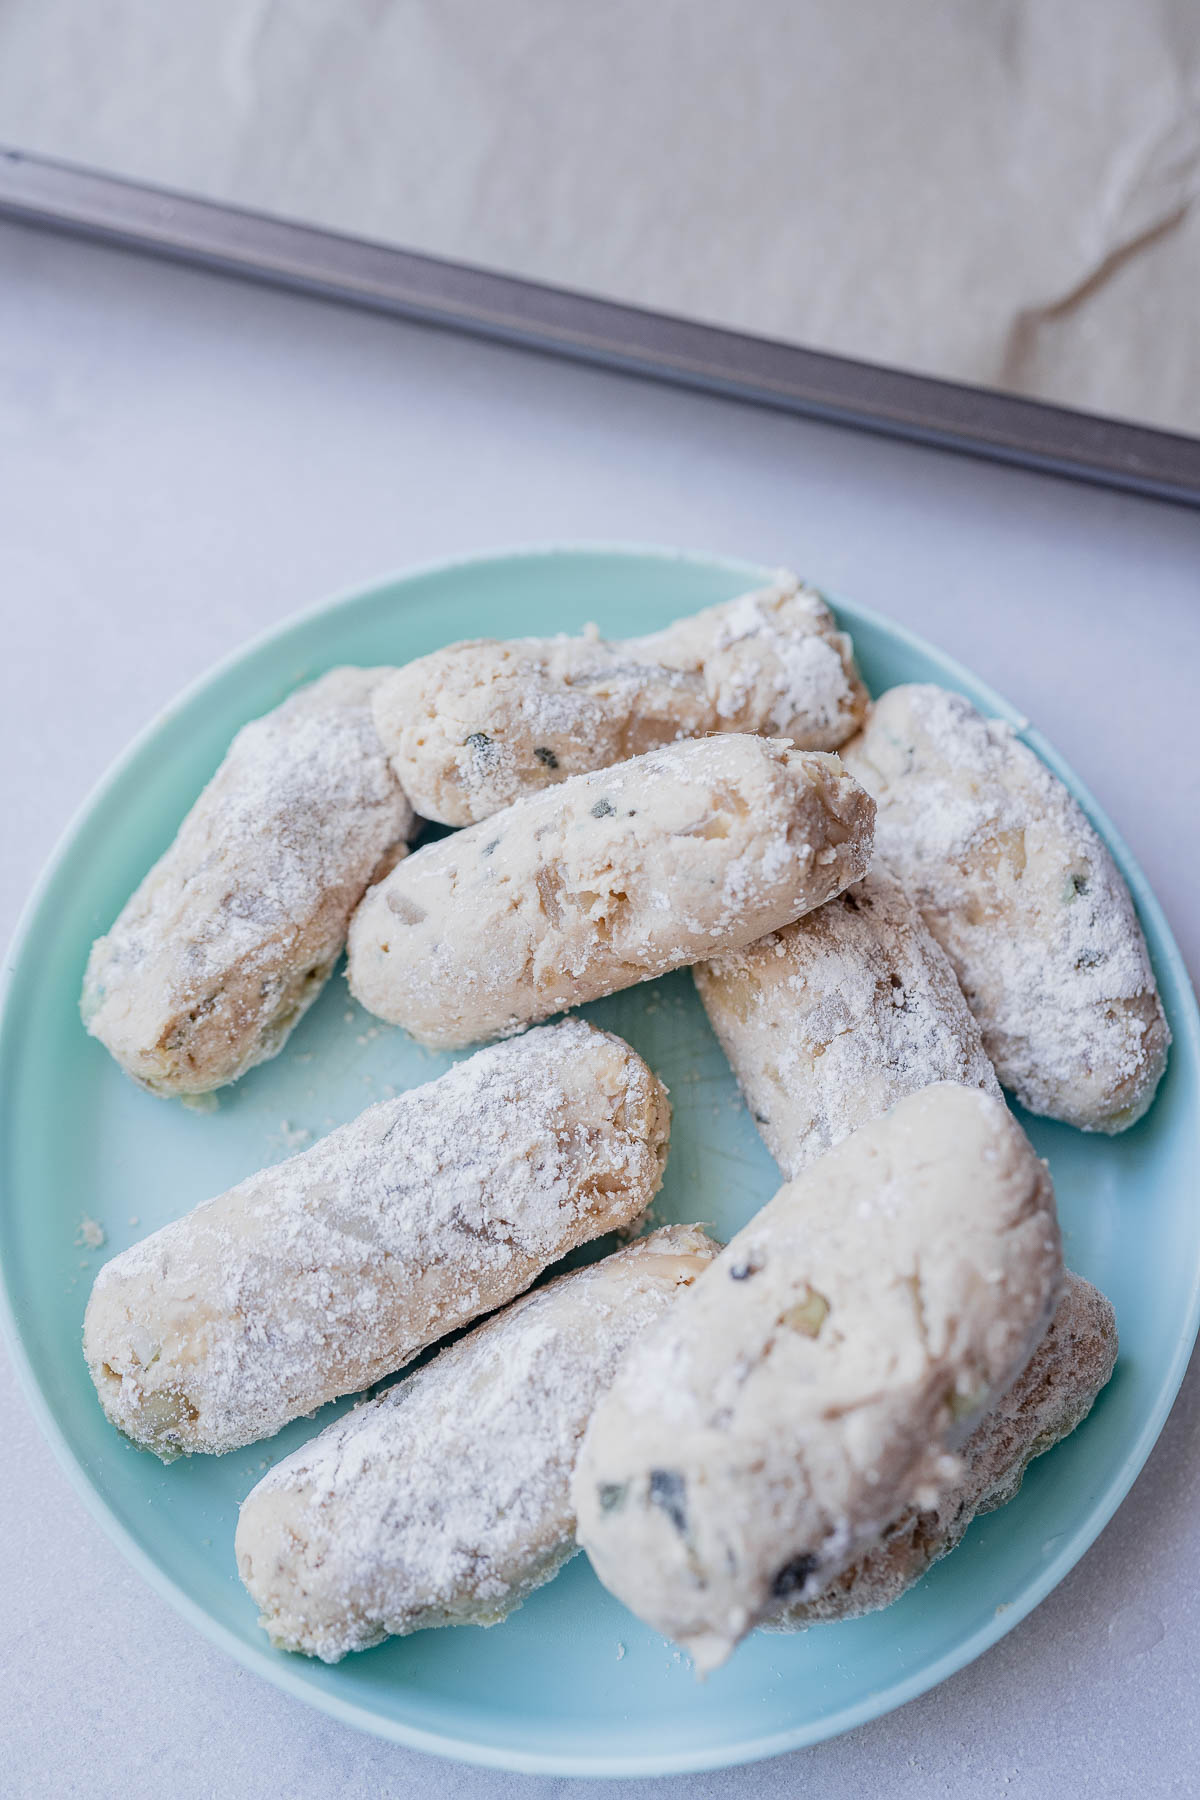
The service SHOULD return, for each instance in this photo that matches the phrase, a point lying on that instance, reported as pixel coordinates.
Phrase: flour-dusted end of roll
(235, 930)
(446, 1501)
(1049, 1399)
(1026, 901)
(830, 1021)
(322, 1275)
(806, 1390)
(773, 661)
(475, 726)
(606, 880)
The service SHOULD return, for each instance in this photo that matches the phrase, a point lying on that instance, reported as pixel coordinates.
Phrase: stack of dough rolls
(1026, 901)
(446, 1500)
(807, 1388)
(830, 1021)
(320, 1276)
(603, 881)
(237, 927)
(475, 726)
(787, 1431)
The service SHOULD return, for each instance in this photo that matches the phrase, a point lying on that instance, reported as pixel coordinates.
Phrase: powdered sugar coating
(1049, 1399)
(830, 1021)
(1025, 900)
(446, 1501)
(233, 933)
(606, 880)
(773, 661)
(323, 1274)
(475, 726)
(806, 1389)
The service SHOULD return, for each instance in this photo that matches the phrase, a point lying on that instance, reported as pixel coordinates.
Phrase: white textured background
(185, 460)
(1005, 193)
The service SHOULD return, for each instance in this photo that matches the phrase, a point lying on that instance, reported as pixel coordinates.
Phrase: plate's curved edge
(883, 1700)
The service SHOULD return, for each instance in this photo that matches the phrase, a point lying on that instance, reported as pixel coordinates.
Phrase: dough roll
(475, 726)
(446, 1501)
(830, 1021)
(1049, 1399)
(607, 880)
(235, 930)
(805, 1391)
(325, 1273)
(1025, 900)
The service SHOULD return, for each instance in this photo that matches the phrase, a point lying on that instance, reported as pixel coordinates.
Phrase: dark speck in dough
(668, 1490)
(603, 809)
(546, 757)
(793, 1576)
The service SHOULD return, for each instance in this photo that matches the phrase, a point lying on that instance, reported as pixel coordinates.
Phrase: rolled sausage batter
(830, 1021)
(446, 1501)
(1025, 900)
(474, 726)
(604, 881)
(333, 1269)
(235, 930)
(1054, 1394)
(805, 1391)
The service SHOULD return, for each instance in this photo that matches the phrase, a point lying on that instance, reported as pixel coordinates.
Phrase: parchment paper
(1002, 193)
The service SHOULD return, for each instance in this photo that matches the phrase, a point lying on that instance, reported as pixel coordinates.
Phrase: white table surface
(185, 460)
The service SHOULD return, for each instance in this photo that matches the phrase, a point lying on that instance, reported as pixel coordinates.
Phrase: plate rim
(259, 1660)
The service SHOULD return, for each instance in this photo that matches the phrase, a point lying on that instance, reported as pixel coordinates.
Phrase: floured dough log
(805, 1391)
(476, 725)
(1025, 900)
(607, 880)
(830, 1021)
(446, 1501)
(235, 930)
(1054, 1394)
(325, 1273)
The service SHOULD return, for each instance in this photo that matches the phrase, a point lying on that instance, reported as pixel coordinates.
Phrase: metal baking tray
(979, 421)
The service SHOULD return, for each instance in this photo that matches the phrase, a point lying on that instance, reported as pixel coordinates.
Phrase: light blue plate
(572, 1684)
